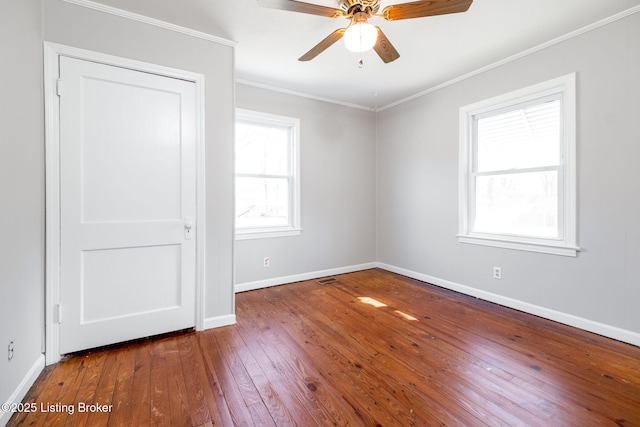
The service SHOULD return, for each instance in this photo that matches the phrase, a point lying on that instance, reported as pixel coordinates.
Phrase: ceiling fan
(359, 35)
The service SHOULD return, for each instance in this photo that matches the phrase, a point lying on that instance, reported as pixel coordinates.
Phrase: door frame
(52, 53)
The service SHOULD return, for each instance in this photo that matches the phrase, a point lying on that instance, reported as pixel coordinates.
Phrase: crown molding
(151, 21)
(517, 56)
(302, 94)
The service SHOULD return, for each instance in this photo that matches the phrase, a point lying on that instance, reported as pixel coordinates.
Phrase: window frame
(293, 228)
(564, 88)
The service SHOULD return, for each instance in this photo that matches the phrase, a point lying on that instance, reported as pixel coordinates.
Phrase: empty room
(320, 212)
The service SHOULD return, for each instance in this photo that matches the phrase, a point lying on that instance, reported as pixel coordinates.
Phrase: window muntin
(517, 184)
(267, 190)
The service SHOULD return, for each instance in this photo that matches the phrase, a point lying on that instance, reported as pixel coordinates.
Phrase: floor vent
(326, 280)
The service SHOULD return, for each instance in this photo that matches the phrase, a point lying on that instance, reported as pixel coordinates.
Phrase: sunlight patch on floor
(377, 304)
(405, 315)
(372, 301)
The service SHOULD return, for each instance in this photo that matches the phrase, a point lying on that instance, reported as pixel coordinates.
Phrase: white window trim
(294, 228)
(567, 245)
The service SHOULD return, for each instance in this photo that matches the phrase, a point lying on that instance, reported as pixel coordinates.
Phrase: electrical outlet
(10, 350)
(497, 273)
(266, 262)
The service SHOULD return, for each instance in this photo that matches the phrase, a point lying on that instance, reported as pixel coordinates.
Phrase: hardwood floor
(371, 349)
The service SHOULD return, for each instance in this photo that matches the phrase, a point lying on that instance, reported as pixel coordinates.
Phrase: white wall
(21, 194)
(418, 187)
(337, 161)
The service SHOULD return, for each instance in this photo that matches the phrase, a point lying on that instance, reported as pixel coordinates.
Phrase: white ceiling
(433, 50)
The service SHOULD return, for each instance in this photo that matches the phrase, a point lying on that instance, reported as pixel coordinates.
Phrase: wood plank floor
(373, 348)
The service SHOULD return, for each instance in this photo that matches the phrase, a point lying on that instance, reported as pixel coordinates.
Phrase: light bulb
(360, 37)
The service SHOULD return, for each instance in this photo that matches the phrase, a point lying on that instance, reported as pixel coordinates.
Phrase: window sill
(266, 233)
(521, 245)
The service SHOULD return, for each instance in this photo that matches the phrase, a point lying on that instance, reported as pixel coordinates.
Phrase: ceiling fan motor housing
(351, 7)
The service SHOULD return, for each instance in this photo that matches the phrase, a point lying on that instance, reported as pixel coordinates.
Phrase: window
(517, 170)
(267, 182)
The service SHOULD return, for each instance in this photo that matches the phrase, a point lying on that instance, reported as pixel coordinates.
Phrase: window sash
(510, 108)
(273, 223)
(509, 231)
(286, 168)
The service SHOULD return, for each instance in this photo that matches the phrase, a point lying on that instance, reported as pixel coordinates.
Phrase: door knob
(188, 225)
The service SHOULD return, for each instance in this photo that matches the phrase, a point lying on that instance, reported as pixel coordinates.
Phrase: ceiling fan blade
(418, 9)
(302, 7)
(323, 45)
(384, 48)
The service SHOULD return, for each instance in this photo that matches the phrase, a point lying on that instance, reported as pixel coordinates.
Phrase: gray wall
(24, 24)
(337, 161)
(21, 192)
(418, 184)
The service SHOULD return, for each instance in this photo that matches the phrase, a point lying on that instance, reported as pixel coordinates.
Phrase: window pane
(262, 149)
(262, 202)
(524, 204)
(523, 138)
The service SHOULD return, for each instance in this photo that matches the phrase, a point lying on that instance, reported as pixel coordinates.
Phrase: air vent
(326, 280)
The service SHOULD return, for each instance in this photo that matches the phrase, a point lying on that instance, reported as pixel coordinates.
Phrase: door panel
(127, 190)
(138, 147)
(144, 279)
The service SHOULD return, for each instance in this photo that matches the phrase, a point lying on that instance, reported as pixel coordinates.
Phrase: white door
(127, 204)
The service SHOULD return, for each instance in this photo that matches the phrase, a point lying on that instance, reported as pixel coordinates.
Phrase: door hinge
(59, 87)
(57, 313)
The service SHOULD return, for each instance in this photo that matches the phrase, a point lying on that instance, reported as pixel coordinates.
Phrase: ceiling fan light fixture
(360, 37)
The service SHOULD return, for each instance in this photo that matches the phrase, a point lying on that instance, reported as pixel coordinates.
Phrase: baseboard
(259, 284)
(216, 322)
(557, 316)
(22, 389)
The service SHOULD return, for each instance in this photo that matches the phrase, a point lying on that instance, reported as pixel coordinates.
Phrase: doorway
(125, 262)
